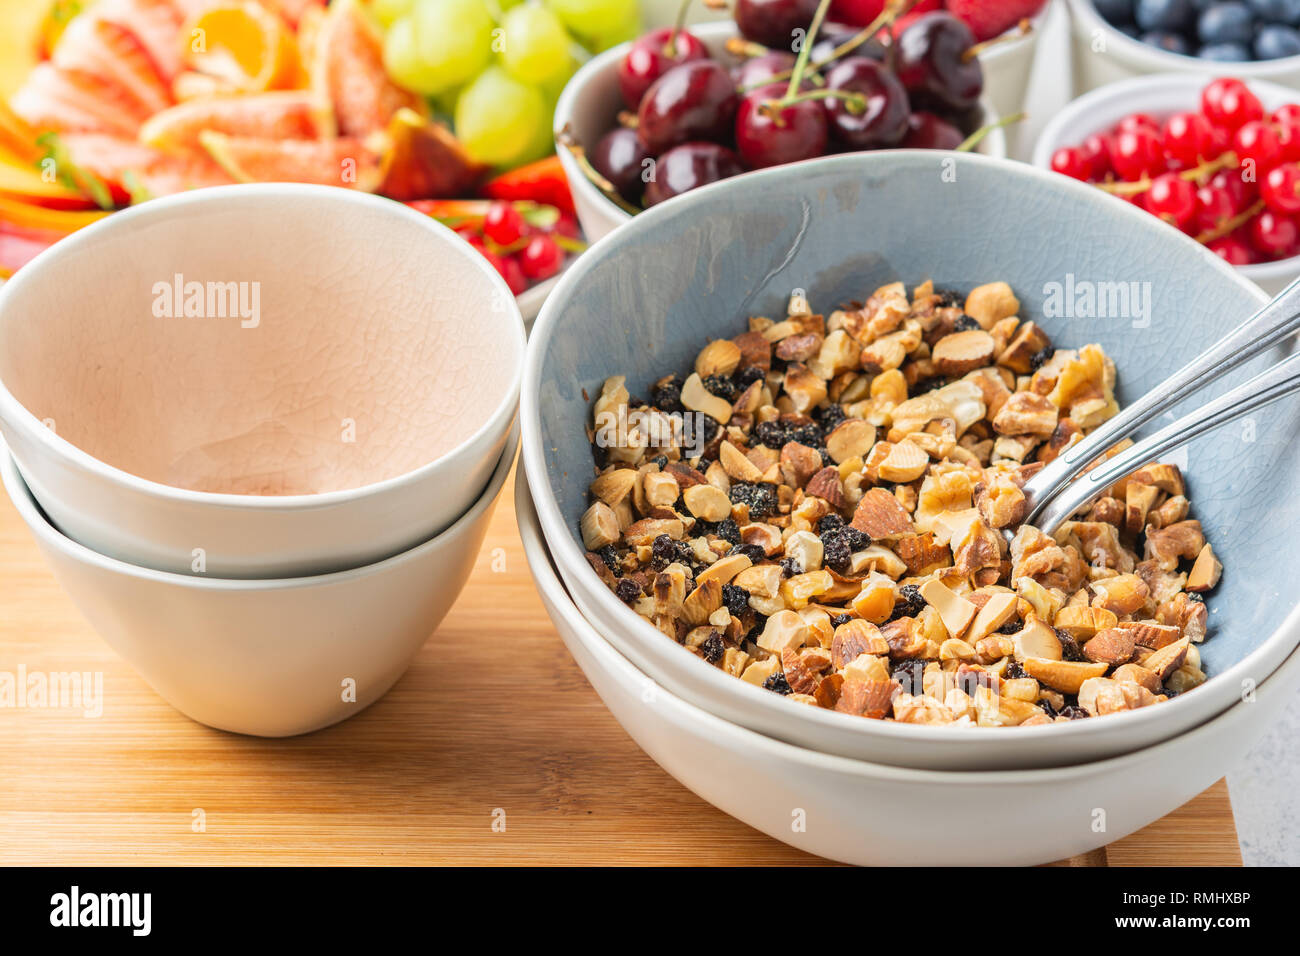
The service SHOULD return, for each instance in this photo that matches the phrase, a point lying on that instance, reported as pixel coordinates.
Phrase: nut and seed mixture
(831, 527)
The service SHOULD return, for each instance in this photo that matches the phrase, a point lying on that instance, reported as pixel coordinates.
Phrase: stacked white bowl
(258, 432)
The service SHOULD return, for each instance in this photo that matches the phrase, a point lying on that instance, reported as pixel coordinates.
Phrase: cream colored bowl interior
(362, 348)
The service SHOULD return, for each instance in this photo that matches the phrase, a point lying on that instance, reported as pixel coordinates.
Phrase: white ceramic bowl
(1159, 96)
(871, 814)
(1103, 54)
(591, 100)
(358, 411)
(271, 658)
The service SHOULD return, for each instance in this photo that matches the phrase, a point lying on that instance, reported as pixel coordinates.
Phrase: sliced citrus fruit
(425, 159)
(348, 162)
(293, 11)
(155, 23)
(22, 179)
(109, 50)
(348, 68)
(244, 44)
(280, 114)
(74, 101)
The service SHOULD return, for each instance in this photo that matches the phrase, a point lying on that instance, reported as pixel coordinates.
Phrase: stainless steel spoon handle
(1270, 385)
(1266, 328)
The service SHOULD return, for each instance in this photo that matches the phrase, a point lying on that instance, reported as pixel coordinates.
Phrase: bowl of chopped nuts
(875, 814)
(780, 486)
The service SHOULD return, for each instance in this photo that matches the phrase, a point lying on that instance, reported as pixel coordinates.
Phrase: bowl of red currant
(1216, 158)
(681, 108)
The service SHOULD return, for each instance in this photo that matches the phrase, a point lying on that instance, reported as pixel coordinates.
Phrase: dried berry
(721, 386)
(1012, 626)
(1047, 707)
(778, 683)
(668, 396)
(748, 375)
(825, 453)
(790, 567)
(1014, 671)
(713, 648)
(1074, 712)
(965, 324)
(627, 590)
(839, 619)
(1041, 358)
(665, 551)
(948, 298)
(909, 675)
(828, 416)
(760, 622)
(923, 385)
(608, 555)
(836, 553)
(777, 434)
(660, 460)
(735, 599)
(1069, 646)
(858, 540)
(1195, 597)
(759, 496)
(829, 523)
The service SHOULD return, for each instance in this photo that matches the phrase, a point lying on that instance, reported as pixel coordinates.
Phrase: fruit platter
(121, 101)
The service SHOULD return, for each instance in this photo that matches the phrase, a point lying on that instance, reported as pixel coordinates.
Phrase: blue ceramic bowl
(645, 299)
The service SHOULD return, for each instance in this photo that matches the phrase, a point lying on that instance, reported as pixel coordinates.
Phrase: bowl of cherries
(682, 108)
(1217, 158)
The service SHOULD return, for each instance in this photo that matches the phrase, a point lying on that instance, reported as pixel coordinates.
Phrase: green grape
(402, 60)
(553, 84)
(594, 18)
(498, 118)
(534, 45)
(453, 39)
(389, 11)
(629, 29)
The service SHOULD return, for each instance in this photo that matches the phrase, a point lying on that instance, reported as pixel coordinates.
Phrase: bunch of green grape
(497, 66)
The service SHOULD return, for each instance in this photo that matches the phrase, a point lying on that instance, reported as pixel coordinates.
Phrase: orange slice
(245, 45)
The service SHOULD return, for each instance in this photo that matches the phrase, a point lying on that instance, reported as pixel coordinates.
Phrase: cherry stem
(565, 138)
(975, 138)
(891, 13)
(856, 102)
(1191, 175)
(1231, 225)
(739, 46)
(1025, 27)
(670, 48)
(801, 61)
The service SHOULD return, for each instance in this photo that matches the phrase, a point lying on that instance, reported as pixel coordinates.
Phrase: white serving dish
(271, 658)
(870, 814)
(1160, 96)
(328, 432)
(591, 100)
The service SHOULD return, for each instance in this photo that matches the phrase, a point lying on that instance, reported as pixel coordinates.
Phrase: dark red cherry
(760, 69)
(695, 100)
(620, 158)
(689, 166)
(884, 121)
(927, 131)
(766, 136)
(933, 65)
(774, 23)
(651, 57)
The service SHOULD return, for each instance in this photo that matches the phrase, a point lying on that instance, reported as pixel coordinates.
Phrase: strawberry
(990, 18)
(858, 13)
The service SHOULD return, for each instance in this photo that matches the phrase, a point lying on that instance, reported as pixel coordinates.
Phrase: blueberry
(1225, 53)
(1274, 42)
(1226, 23)
(1169, 42)
(1115, 11)
(1277, 11)
(1174, 16)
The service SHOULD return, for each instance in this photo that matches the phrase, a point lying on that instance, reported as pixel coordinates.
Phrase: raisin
(807, 434)
(1011, 627)
(828, 416)
(660, 460)
(708, 429)
(760, 622)
(836, 553)
(1069, 646)
(778, 683)
(728, 530)
(839, 619)
(948, 299)
(1047, 708)
(1014, 671)
(1074, 712)
(759, 496)
(610, 557)
(772, 434)
(825, 453)
(713, 648)
(829, 523)
(965, 324)
(627, 590)
(910, 602)
(1195, 598)
(1041, 358)
(668, 396)
(857, 540)
(735, 599)
(790, 567)
(721, 386)
(923, 385)
(909, 675)
(752, 551)
(663, 552)
(748, 375)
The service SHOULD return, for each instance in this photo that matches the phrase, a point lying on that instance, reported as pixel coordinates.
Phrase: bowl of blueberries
(1251, 39)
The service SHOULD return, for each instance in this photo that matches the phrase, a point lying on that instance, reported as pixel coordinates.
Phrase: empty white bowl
(1103, 54)
(1160, 96)
(591, 101)
(870, 814)
(277, 657)
(333, 383)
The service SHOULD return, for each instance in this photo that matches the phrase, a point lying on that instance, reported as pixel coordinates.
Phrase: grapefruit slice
(348, 162)
(73, 101)
(285, 114)
(109, 50)
(425, 159)
(245, 45)
(155, 23)
(348, 69)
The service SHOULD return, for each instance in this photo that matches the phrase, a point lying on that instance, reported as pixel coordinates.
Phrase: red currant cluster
(692, 119)
(1228, 174)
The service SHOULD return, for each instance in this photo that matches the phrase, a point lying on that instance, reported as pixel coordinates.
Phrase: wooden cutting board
(414, 779)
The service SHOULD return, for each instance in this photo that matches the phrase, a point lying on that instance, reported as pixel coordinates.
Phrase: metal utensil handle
(1266, 328)
(1274, 383)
